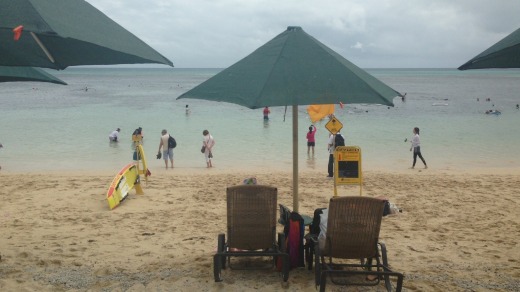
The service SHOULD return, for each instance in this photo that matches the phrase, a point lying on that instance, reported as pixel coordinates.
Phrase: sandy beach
(458, 231)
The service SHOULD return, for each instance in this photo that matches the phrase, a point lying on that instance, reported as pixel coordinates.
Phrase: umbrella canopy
(61, 33)
(8, 74)
(504, 54)
(293, 69)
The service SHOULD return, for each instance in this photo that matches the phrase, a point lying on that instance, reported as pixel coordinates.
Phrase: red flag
(17, 32)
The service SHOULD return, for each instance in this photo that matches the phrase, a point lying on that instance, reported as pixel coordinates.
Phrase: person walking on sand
(1, 146)
(167, 152)
(207, 144)
(416, 146)
(311, 142)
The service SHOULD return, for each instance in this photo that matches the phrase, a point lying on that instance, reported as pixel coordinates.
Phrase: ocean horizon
(48, 127)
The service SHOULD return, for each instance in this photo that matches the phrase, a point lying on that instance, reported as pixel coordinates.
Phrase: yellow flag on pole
(318, 112)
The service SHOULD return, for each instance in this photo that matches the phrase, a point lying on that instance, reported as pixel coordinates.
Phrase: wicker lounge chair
(251, 228)
(352, 234)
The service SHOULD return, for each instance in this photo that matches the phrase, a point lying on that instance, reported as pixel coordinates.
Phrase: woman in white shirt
(208, 142)
(416, 146)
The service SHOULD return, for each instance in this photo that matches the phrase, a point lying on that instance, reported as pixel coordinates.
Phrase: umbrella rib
(272, 70)
(42, 46)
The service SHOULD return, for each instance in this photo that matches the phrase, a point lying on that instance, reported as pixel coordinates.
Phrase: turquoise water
(52, 127)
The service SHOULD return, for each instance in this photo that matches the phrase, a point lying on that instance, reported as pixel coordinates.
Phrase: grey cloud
(369, 33)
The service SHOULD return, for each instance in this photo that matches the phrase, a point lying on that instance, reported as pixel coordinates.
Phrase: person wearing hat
(114, 136)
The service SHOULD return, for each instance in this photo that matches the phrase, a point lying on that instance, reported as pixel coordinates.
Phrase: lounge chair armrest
(310, 236)
(316, 242)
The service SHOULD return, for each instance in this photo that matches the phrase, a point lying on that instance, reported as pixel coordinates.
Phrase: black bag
(171, 143)
(316, 220)
(339, 140)
(386, 210)
(314, 232)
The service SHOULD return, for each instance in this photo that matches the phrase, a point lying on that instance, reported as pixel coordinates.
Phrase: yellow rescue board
(141, 162)
(125, 180)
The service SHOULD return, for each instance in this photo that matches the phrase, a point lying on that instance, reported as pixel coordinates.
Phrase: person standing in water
(167, 152)
(208, 142)
(114, 136)
(311, 142)
(330, 149)
(266, 113)
(416, 147)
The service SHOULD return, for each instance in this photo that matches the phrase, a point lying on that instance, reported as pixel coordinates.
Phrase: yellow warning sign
(347, 166)
(334, 125)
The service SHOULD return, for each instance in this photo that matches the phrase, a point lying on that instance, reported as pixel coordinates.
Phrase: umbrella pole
(295, 156)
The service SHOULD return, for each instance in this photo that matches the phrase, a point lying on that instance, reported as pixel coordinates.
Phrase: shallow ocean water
(53, 127)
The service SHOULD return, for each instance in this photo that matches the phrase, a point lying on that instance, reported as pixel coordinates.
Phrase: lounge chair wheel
(285, 270)
(219, 260)
(285, 259)
(217, 268)
(280, 247)
(317, 269)
(281, 242)
(384, 258)
(323, 282)
(221, 248)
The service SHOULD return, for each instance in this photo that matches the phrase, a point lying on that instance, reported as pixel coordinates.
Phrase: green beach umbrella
(503, 54)
(60, 33)
(293, 69)
(9, 74)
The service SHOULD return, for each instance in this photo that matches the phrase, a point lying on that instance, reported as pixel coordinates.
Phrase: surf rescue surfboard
(141, 162)
(123, 182)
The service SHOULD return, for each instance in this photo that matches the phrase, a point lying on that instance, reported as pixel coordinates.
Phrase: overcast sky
(369, 33)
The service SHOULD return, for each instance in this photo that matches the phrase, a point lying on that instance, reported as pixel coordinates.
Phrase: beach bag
(171, 143)
(249, 181)
(339, 140)
(386, 210)
(294, 235)
(203, 149)
(293, 229)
